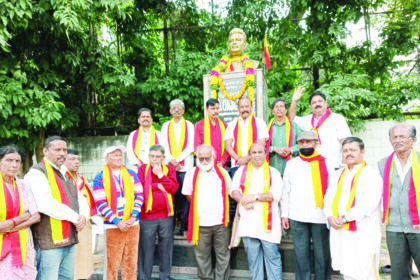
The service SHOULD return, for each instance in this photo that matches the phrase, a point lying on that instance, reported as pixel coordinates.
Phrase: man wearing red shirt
(159, 184)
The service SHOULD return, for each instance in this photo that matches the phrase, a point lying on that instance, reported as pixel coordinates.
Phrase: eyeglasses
(201, 159)
(401, 138)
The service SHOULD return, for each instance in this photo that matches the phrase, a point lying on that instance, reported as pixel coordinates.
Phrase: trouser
(302, 233)
(148, 230)
(218, 237)
(260, 252)
(402, 247)
(121, 251)
(57, 263)
(372, 274)
(181, 203)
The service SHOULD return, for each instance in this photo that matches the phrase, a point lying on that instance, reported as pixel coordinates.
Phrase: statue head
(237, 42)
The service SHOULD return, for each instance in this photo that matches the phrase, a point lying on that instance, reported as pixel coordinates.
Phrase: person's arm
(189, 149)
(39, 185)
(163, 140)
(235, 190)
(130, 151)
(101, 201)
(297, 95)
(169, 182)
(9, 224)
(187, 186)
(229, 149)
(198, 134)
(138, 195)
(296, 132)
(33, 219)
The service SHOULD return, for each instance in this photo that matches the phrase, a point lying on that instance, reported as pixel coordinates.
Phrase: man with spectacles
(207, 188)
(159, 184)
(401, 210)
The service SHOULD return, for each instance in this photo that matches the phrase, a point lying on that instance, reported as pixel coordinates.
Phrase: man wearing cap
(84, 257)
(283, 133)
(331, 128)
(178, 140)
(140, 140)
(63, 212)
(352, 205)
(119, 196)
(159, 181)
(207, 187)
(257, 188)
(305, 183)
(242, 132)
(211, 130)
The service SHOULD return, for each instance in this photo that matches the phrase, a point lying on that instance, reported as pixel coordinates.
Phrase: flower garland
(226, 62)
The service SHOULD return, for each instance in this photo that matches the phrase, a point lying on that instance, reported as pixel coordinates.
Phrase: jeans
(57, 263)
(258, 251)
(302, 233)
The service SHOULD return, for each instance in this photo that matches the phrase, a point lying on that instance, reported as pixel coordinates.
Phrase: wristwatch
(257, 197)
(344, 220)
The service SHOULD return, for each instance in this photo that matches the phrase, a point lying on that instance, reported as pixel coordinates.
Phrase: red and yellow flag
(266, 56)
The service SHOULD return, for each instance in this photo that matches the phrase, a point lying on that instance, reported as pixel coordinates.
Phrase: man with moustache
(352, 205)
(140, 140)
(242, 133)
(63, 212)
(283, 134)
(257, 188)
(159, 181)
(84, 257)
(178, 140)
(331, 128)
(305, 183)
(119, 196)
(207, 187)
(401, 188)
(211, 130)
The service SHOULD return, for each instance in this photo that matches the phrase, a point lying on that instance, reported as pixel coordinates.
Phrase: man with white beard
(207, 188)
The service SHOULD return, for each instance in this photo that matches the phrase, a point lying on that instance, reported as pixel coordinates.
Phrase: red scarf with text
(148, 195)
(252, 136)
(211, 139)
(137, 141)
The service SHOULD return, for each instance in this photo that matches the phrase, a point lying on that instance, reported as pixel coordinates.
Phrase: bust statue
(237, 45)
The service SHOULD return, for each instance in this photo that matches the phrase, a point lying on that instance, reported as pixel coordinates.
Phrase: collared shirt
(144, 146)
(279, 140)
(262, 133)
(251, 223)
(186, 154)
(331, 132)
(402, 171)
(47, 204)
(298, 200)
(209, 196)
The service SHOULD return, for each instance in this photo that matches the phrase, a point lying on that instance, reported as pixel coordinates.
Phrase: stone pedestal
(233, 82)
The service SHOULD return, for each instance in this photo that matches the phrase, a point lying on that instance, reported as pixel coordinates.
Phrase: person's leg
(321, 244)
(255, 257)
(414, 246)
(202, 252)
(177, 204)
(48, 263)
(66, 270)
(272, 260)
(146, 248)
(129, 257)
(399, 254)
(184, 204)
(114, 251)
(221, 243)
(166, 244)
(302, 249)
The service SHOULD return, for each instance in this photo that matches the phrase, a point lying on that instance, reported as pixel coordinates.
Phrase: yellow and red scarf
(60, 229)
(12, 242)
(289, 136)
(137, 141)
(252, 135)
(177, 148)
(83, 187)
(319, 176)
(352, 199)
(193, 222)
(413, 191)
(320, 122)
(111, 191)
(148, 195)
(245, 184)
(210, 139)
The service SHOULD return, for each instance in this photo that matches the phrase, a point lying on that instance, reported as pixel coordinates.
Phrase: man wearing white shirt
(257, 188)
(207, 187)
(352, 205)
(178, 140)
(331, 128)
(63, 212)
(305, 183)
(238, 133)
(140, 140)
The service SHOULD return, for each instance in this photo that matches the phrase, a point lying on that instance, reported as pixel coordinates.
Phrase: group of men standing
(303, 173)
